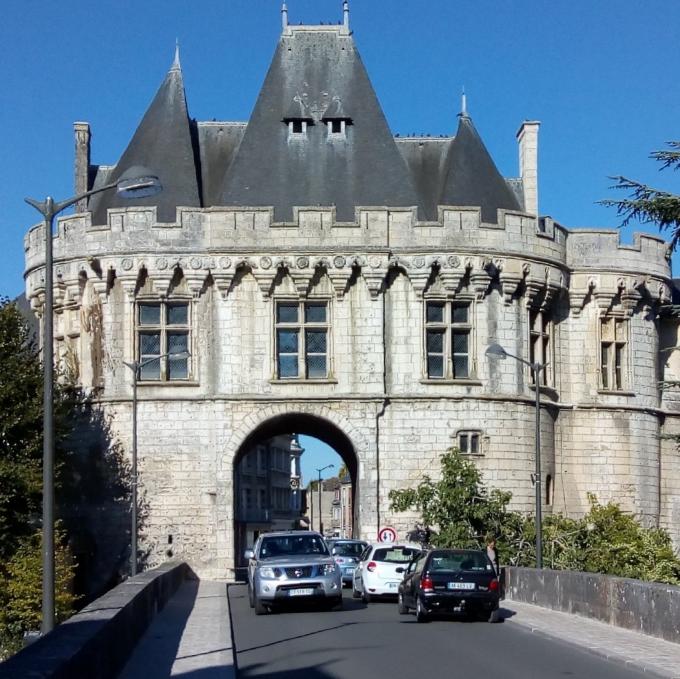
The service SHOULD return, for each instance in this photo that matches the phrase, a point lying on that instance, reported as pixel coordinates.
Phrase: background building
(267, 488)
(330, 279)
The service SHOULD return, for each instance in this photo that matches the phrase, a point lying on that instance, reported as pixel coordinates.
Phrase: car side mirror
(399, 569)
(249, 554)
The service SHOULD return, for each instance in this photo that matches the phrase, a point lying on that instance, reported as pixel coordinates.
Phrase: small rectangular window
(613, 353)
(163, 340)
(302, 340)
(470, 442)
(447, 339)
(540, 342)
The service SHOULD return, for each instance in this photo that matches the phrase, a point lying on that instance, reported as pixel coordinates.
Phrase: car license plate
(307, 591)
(460, 585)
(349, 571)
(392, 585)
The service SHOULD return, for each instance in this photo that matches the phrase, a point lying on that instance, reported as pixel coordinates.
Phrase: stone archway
(319, 422)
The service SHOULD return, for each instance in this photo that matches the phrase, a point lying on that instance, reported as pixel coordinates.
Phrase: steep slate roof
(312, 67)
(472, 177)
(218, 143)
(163, 143)
(426, 161)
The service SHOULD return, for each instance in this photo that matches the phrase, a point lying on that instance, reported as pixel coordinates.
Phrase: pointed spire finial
(463, 105)
(175, 63)
(284, 16)
(345, 14)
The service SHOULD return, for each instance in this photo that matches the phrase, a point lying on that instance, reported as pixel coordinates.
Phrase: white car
(376, 575)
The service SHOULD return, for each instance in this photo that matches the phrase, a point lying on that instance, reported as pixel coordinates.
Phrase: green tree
(21, 416)
(21, 595)
(606, 540)
(650, 205)
(458, 508)
(21, 424)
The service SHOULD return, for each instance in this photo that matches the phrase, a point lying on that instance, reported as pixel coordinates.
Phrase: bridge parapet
(97, 642)
(650, 608)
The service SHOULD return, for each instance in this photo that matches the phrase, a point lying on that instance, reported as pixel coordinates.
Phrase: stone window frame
(163, 328)
(614, 370)
(546, 354)
(480, 446)
(302, 325)
(448, 325)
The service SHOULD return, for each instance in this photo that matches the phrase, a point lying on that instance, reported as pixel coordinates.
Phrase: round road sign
(387, 534)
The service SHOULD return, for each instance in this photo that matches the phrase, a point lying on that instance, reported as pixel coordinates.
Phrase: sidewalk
(656, 656)
(192, 633)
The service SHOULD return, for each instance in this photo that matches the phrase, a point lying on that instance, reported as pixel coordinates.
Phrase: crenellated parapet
(132, 229)
(615, 274)
(602, 249)
(535, 260)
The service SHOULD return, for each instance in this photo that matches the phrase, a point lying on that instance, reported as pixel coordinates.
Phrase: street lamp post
(318, 489)
(497, 351)
(136, 366)
(134, 183)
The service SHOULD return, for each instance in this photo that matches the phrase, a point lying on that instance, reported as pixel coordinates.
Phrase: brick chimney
(82, 162)
(527, 139)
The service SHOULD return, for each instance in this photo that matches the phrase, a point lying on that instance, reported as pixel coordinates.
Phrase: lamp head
(496, 350)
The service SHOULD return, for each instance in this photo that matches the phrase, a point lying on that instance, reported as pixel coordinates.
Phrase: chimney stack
(527, 138)
(82, 163)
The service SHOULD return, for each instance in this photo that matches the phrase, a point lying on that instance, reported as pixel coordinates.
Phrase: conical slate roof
(472, 177)
(163, 144)
(314, 70)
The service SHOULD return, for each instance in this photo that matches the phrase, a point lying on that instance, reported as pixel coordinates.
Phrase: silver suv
(292, 566)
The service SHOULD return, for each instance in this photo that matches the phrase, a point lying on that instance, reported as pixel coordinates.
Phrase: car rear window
(292, 545)
(394, 554)
(349, 548)
(459, 561)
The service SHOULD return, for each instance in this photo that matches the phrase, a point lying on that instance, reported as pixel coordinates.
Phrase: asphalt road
(373, 641)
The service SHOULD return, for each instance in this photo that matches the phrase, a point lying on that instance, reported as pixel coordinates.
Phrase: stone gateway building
(307, 272)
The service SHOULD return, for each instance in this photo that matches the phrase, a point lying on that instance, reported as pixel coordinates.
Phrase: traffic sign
(387, 534)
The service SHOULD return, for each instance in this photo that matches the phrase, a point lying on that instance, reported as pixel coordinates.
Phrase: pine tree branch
(647, 204)
(669, 158)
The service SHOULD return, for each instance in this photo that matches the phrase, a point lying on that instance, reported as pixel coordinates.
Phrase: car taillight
(426, 584)
(493, 586)
(339, 559)
(371, 566)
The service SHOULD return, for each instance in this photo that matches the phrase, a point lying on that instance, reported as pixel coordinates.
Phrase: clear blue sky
(316, 456)
(601, 76)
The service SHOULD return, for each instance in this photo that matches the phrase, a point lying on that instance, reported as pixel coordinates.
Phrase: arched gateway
(320, 422)
(277, 427)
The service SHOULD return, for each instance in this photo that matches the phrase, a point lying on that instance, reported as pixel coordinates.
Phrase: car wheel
(260, 608)
(421, 613)
(251, 597)
(366, 597)
(495, 616)
(356, 594)
(401, 607)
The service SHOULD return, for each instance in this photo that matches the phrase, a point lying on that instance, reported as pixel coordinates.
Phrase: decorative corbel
(195, 282)
(511, 278)
(223, 282)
